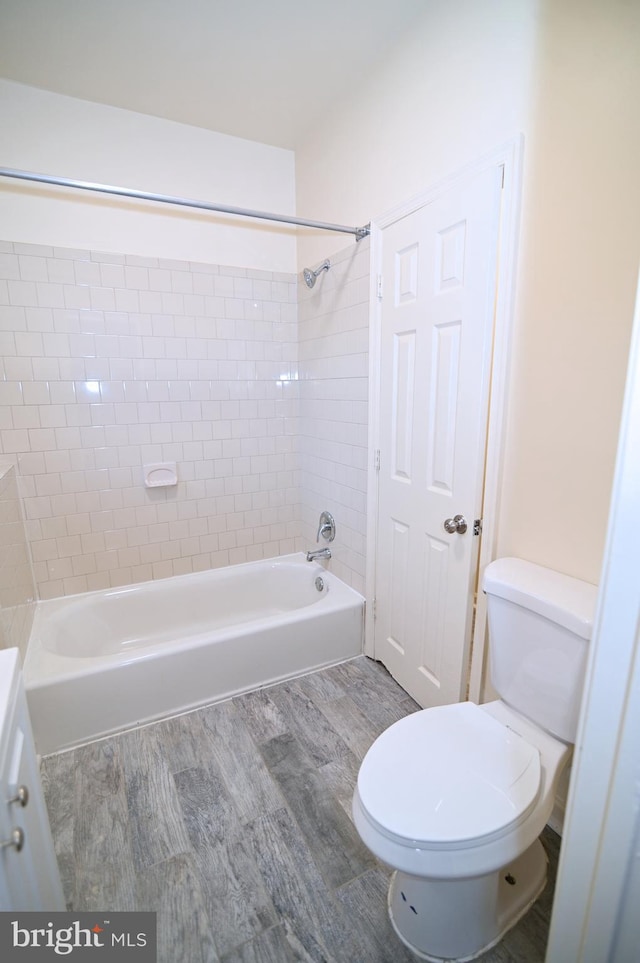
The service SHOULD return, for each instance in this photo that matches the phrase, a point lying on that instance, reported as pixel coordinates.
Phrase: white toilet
(455, 797)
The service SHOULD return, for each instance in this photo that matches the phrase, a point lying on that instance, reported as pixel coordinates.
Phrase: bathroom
(517, 68)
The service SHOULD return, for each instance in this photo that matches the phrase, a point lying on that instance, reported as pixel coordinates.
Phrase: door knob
(455, 525)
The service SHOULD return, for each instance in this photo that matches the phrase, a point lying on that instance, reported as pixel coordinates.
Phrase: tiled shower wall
(17, 591)
(110, 362)
(333, 370)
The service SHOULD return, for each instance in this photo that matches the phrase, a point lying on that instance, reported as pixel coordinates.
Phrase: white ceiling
(260, 69)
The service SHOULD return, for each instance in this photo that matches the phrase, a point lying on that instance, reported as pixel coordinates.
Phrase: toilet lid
(448, 774)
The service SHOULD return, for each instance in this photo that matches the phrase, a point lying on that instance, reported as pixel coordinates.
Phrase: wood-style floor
(233, 824)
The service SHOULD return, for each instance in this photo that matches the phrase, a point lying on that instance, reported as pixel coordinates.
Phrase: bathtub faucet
(326, 528)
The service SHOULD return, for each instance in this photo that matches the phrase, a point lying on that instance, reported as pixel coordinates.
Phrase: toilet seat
(446, 776)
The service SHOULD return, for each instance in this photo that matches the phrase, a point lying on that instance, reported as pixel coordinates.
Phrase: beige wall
(455, 89)
(64, 136)
(579, 264)
(566, 75)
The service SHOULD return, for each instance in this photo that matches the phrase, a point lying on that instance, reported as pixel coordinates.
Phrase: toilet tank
(540, 622)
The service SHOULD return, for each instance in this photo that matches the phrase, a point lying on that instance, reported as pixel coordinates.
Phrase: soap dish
(161, 475)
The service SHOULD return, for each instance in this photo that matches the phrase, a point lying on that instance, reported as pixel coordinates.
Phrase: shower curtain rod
(359, 232)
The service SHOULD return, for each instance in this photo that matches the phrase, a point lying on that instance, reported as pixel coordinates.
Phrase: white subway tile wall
(110, 362)
(17, 589)
(333, 332)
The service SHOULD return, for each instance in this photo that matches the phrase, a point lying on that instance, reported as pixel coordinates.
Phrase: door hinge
(477, 526)
(376, 460)
(379, 287)
(374, 605)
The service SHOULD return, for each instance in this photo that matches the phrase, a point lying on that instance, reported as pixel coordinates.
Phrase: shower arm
(359, 232)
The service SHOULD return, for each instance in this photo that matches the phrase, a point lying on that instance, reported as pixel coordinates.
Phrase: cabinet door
(29, 877)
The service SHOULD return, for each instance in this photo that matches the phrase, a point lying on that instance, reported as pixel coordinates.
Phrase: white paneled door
(439, 275)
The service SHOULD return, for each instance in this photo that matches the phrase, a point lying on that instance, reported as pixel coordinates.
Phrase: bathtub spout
(319, 553)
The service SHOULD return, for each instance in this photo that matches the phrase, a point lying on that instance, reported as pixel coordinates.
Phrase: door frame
(595, 915)
(509, 156)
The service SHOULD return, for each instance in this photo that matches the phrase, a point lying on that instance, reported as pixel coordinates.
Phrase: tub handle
(326, 527)
(21, 797)
(16, 839)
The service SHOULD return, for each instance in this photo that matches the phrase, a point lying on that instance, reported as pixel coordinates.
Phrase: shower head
(310, 274)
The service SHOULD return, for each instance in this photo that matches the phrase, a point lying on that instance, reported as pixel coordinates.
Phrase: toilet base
(457, 920)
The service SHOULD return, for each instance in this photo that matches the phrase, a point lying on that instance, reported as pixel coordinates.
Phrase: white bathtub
(105, 661)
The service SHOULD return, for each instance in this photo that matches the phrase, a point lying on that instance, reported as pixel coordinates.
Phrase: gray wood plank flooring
(233, 823)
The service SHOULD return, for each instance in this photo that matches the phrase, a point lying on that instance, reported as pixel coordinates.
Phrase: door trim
(509, 157)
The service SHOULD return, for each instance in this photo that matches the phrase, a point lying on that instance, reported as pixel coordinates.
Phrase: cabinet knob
(16, 839)
(22, 796)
